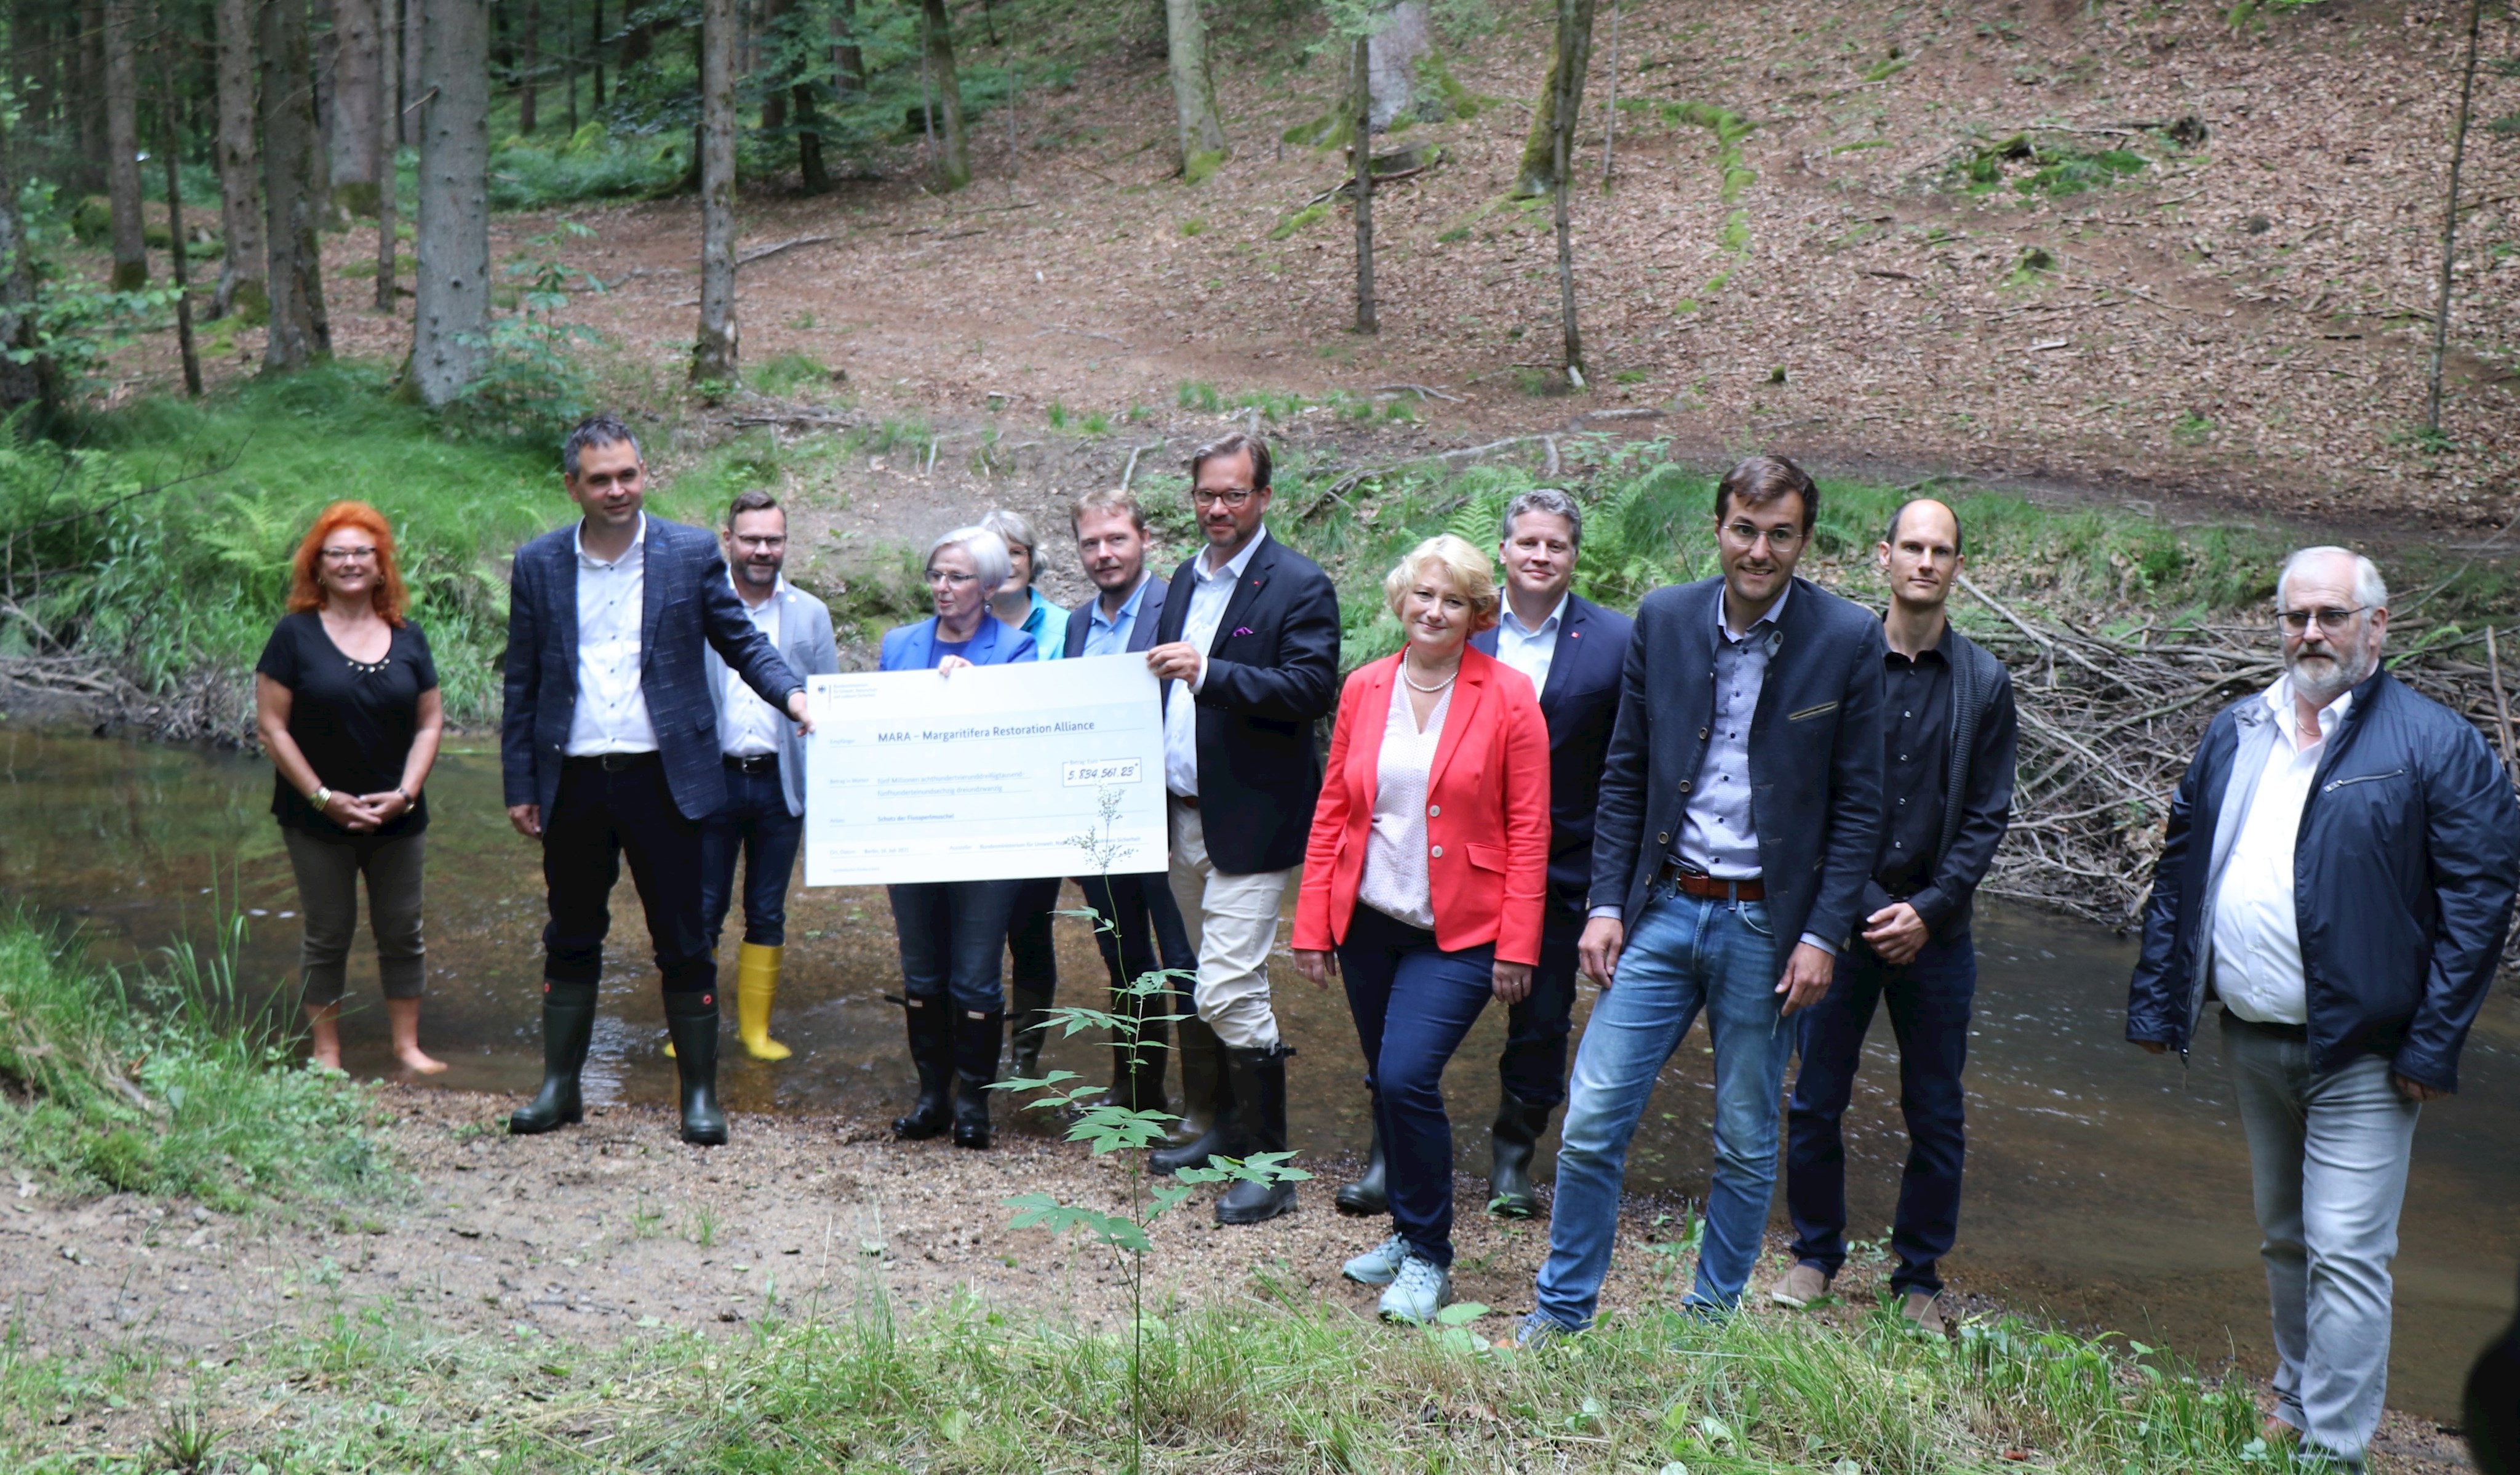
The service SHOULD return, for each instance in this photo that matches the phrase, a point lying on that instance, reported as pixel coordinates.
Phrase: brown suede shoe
(1804, 1284)
(1924, 1310)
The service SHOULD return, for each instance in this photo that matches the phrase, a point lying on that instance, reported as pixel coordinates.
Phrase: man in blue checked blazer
(609, 746)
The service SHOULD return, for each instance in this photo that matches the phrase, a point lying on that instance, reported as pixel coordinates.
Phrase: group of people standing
(1755, 800)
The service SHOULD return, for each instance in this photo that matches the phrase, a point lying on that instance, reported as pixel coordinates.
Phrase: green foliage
(166, 1080)
(1198, 167)
(1198, 394)
(533, 383)
(527, 176)
(1307, 216)
(2056, 169)
(787, 375)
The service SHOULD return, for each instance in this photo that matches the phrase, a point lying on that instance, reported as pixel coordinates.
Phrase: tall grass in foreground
(164, 1080)
(1276, 1381)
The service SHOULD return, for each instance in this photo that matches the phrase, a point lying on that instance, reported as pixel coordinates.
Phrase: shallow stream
(2106, 1187)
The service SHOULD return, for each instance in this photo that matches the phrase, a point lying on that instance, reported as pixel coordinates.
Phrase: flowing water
(2106, 1187)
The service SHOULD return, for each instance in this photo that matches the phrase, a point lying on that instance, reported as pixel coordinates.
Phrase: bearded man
(2338, 875)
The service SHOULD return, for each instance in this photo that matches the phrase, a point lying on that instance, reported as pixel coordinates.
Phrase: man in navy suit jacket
(609, 744)
(1140, 927)
(1740, 799)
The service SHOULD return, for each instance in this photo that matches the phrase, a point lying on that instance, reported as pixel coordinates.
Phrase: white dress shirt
(2257, 935)
(1394, 878)
(1530, 651)
(1210, 591)
(612, 712)
(751, 728)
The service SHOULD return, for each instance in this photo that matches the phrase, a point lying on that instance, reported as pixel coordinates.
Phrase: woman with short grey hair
(1016, 601)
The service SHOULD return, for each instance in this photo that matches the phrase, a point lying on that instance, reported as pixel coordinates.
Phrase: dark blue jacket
(913, 647)
(1815, 754)
(2403, 878)
(689, 603)
(1141, 632)
(1581, 703)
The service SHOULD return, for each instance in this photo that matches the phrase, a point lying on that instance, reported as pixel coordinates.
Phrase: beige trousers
(1234, 922)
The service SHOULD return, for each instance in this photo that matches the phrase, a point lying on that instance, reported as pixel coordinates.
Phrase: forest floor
(2243, 320)
(615, 1233)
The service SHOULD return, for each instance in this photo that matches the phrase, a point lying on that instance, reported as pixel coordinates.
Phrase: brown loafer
(1923, 1311)
(1804, 1284)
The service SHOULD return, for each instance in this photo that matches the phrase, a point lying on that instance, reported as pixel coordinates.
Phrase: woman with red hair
(345, 698)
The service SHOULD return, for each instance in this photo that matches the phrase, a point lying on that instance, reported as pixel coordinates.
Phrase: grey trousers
(2327, 1158)
(327, 900)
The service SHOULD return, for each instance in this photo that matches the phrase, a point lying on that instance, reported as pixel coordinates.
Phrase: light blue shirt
(1531, 652)
(1716, 833)
(1109, 636)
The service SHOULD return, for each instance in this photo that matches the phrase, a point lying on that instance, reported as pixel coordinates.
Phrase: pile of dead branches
(2110, 722)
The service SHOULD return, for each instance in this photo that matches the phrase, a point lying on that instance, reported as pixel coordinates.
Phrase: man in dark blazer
(608, 745)
(1571, 649)
(1140, 927)
(1247, 650)
(1741, 799)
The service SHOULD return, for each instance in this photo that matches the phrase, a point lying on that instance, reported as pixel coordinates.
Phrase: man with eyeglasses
(1247, 651)
(2338, 872)
(1741, 799)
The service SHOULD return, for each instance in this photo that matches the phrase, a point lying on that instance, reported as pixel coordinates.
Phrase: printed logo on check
(1118, 771)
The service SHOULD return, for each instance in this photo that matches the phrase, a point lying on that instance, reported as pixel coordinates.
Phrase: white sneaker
(1377, 1266)
(1420, 1290)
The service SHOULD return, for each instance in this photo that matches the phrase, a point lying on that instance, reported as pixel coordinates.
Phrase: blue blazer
(805, 643)
(913, 647)
(1141, 634)
(1581, 705)
(1815, 754)
(689, 605)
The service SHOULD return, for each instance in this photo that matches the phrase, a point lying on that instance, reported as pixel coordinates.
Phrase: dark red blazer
(1487, 813)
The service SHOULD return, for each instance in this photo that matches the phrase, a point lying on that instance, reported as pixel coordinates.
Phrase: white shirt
(751, 728)
(611, 712)
(2257, 937)
(1530, 651)
(1394, 878)
(1210, 591)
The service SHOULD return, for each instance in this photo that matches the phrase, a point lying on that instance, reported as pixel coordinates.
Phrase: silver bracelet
(320, 798)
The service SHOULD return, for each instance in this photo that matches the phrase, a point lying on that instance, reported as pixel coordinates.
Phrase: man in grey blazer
(1139, 926)
(763, 821)
(1741, 798)
(608, 746)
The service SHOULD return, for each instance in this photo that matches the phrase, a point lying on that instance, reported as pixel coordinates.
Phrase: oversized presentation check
(989, 774)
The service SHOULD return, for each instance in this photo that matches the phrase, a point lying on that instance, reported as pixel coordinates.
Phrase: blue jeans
(1412, 1003)
(1682, 953)
(1929, 1013)
(952, 934)
(755, 825)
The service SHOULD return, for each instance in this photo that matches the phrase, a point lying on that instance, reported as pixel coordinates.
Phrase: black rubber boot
(690, 1020)
(1368, 1195)
(568, 1023)
(1025, 1034)
(1260, 1107)
(1202, 1079)
(1514, 1139)
(975, 1065)
(931, 1050)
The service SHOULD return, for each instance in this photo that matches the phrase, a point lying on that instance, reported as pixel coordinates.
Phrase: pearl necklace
(1430, 690)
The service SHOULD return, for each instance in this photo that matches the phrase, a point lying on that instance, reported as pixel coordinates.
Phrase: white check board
(991, 773)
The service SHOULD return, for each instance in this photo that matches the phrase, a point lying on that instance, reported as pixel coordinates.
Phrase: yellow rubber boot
(757, 983)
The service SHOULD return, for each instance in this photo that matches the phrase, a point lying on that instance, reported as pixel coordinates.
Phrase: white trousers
(1233, 921)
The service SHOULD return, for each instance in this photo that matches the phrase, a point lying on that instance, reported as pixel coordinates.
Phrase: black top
(1915, 765)
(354, 722)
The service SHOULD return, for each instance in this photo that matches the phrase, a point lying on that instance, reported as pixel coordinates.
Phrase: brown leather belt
(1700, 884)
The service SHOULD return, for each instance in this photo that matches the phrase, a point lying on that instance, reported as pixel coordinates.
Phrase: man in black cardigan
(1249, 654)
(1948, 735)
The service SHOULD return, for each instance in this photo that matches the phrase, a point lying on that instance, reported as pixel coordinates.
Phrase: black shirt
(1915, 767)
(354, 722)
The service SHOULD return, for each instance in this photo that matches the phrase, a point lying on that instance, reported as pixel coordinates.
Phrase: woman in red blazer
(1424, 873)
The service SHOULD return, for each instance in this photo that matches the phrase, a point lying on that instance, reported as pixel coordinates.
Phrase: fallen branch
(1423, 392)
(751, 256)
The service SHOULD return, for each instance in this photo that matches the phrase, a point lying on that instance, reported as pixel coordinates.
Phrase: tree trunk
(953, 170)
(407, 117)
(240, 270)
(1562, 163)
(850, 56)
(89, 97)
(31, 382)
(451, 251)
(1199, 135)
(2449, 224)
(569, 66)
(358, 80)
(1569, 56)
(713, 352)
(389, 130)
(301, 333)
(175, 215)
(1361, 88)
(529, 75)
(1399, 49)
(595, 52)
(122, 147)
(324, 38)
(816, 177)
